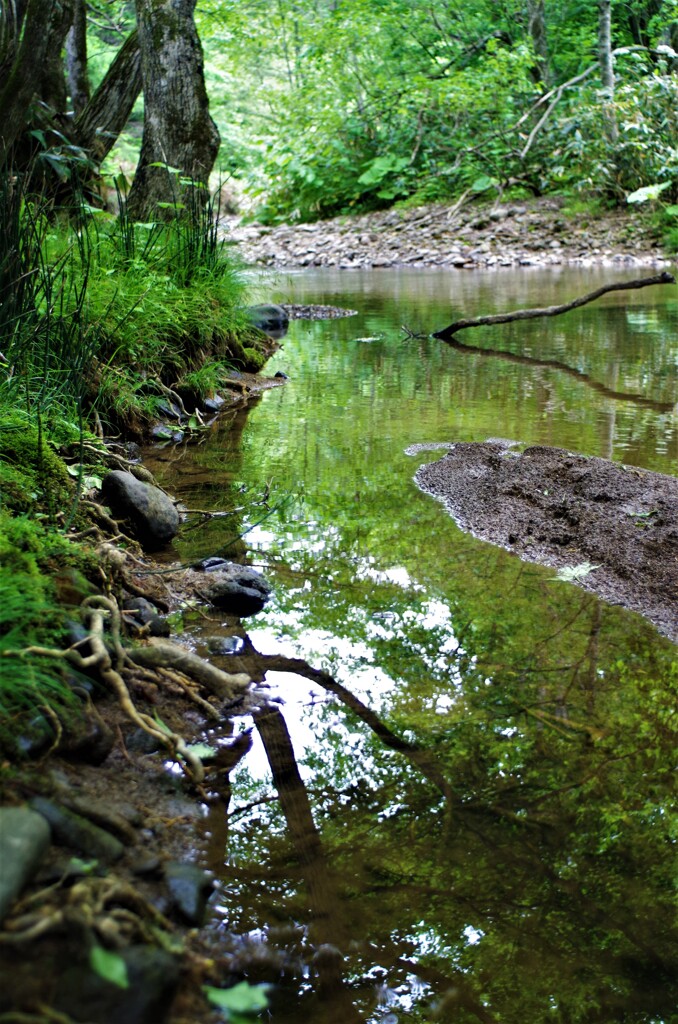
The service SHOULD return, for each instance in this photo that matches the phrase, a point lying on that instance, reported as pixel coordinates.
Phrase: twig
(531, 314)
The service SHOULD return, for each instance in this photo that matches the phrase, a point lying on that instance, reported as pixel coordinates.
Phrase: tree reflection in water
(532, 882)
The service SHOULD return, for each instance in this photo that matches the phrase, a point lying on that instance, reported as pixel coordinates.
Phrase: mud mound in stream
(557, 508)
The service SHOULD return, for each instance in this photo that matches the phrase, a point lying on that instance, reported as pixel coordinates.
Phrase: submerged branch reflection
(572, 371)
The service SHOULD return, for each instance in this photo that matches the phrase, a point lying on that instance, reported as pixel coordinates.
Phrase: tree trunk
(98, 126)
(52, 89)
(25, 43)
(536, 21)
(178, 129)
(76, 58)
(606, 63)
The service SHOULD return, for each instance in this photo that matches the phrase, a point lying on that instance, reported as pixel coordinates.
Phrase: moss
(17, 489)
(30, 460)
(254, 360)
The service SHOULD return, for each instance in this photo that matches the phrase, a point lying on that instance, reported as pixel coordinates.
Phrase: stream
(475, 823)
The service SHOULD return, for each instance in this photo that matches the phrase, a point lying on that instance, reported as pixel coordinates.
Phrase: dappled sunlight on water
(469, 816)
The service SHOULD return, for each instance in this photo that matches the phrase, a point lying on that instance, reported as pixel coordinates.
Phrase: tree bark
(25, 45)
(76, 58)
(606, 64)
(178, 130)
(52, 88)
(536, 21)
(99, 124)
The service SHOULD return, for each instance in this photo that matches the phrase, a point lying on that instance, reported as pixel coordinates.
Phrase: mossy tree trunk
(99, 124)
(27, 35)
(178, 130)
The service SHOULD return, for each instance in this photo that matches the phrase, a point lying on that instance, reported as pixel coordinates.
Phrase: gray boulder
(268, 317)
(236, 589)
(148, 511)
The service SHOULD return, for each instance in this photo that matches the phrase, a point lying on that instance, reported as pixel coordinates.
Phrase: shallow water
(477, 826)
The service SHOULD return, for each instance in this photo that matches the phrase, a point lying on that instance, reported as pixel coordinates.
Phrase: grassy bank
(104, 326)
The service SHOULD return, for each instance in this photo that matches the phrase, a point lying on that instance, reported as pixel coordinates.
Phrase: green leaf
(641, 195)
(242, 998)
(167, 167)
(571, 573)
(109, 966)
(202, 749)
(484, 182)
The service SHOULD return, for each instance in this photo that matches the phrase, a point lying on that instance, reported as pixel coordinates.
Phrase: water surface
(476, 823)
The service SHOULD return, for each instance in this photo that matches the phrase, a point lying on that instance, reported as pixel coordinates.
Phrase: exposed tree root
(112, 667)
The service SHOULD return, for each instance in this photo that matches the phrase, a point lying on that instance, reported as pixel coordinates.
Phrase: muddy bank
(560, 509)
(538, 232)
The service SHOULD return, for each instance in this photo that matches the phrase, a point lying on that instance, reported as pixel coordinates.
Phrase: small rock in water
(225, 644)
(237, 589)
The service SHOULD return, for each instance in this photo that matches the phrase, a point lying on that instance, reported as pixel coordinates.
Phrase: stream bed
(475, 821)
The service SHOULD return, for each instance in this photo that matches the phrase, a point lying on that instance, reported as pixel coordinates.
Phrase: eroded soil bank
(557, 508)
(537, 232)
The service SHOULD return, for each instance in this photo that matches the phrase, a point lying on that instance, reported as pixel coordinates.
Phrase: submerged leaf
(242, 998)
(571, 573)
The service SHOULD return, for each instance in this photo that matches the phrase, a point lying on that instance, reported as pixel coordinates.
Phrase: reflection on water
(462, 808)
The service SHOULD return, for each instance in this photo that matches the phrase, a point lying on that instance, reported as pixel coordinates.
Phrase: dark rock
(268, 317)
(225, 644)
(169, 409)
(213, 404)
(190, 888)
(141, 742)
(161, 432)
(86, 740)
(145, 614)
(143, 609)
(281, 375)
(210, 564)
(237, 589)
(37, 737)
(149, 511)
(158, 626)
(153, 976)
(24, 839)
(76, 832)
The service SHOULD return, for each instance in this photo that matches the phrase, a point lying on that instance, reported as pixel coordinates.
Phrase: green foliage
(238, 1003)
(109, 965)
(330, 108)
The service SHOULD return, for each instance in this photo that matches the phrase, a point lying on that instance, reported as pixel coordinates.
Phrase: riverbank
(606, 527)
(544, 232)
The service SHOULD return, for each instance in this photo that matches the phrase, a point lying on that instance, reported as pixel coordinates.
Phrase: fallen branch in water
(531, 314)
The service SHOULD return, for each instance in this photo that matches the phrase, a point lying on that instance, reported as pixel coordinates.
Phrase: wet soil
(572, 512)
(537, 232)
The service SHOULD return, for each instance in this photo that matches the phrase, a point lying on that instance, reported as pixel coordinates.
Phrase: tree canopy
(326, 106)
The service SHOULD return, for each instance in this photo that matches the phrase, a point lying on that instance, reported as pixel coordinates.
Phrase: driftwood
(531, 314)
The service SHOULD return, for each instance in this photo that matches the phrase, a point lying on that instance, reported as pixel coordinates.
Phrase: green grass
(98, 318)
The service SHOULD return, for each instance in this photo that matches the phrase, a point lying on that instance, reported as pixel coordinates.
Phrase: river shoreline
(542, 232)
